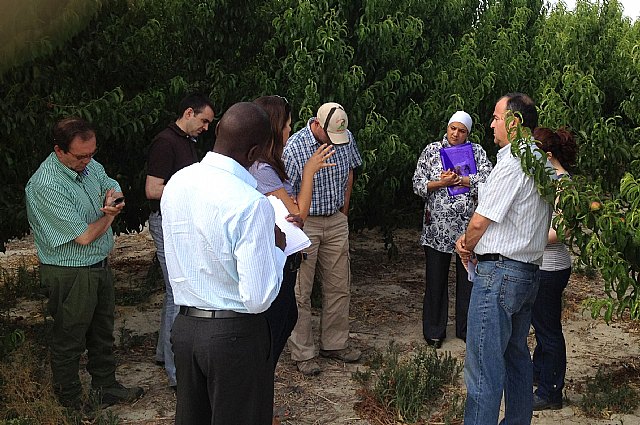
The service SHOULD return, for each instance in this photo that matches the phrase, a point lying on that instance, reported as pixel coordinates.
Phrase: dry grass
(26, 390)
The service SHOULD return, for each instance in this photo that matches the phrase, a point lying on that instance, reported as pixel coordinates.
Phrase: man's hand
(109, 198)
(296, 220)
(281, 239)
(464, 254)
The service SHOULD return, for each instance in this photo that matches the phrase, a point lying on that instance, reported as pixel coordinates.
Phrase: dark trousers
(82, 304)
(435, 305)
(224, 370)
(550, 354)
(282, 315)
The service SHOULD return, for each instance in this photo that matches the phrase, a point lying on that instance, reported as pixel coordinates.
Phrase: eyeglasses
(83, 157)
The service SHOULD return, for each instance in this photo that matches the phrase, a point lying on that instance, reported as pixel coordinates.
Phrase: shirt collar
(173, 126)
(225, 163)
(72, 174)
(504, 151)
(310, 137)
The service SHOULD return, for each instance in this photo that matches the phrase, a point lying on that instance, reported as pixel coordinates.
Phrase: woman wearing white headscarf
(445, 218)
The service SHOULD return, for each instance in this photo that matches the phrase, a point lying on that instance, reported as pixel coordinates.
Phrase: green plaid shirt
(61, 204)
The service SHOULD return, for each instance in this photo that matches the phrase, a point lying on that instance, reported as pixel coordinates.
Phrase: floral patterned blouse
(446, 217)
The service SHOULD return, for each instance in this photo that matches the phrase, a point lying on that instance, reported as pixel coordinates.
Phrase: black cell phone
(117, 201)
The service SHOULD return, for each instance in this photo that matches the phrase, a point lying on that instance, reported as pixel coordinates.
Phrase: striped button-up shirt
(520, 218)
(330, 183)
(219, 238)
(61, 204)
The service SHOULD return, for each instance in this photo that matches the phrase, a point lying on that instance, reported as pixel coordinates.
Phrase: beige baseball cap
(334, 121)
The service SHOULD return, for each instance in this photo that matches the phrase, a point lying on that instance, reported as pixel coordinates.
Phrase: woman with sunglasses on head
(550, 355)
(272, 179)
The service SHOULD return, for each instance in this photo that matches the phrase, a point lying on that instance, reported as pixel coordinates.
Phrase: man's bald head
(242, 132)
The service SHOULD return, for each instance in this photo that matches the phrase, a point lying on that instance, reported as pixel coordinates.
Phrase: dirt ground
(386, 306)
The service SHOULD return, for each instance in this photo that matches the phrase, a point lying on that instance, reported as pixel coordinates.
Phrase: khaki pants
(329, 250)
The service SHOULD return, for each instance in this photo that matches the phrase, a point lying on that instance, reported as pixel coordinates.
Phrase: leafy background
(400, 68)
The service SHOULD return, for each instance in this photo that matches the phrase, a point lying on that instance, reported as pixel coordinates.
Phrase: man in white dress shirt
(507, 233)
(225, 268)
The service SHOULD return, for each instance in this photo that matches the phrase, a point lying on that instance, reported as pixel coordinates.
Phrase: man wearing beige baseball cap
(328, 229)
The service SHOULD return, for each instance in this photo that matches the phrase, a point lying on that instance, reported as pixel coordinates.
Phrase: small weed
(135, 292)
(22, 281)
(582, 269)
(361, 377)
(26, 389)
(27, 394)
(610, 392)
(11, 341)
(406, 385)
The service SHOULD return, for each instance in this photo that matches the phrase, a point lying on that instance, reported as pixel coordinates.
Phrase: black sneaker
(540, 403)
(435, 343)
(117, 393)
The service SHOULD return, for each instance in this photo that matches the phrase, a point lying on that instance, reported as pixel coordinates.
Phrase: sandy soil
(386, 306)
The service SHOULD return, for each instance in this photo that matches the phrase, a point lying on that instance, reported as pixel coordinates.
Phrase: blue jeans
(550, 354)
(169, 309)
(498, 358)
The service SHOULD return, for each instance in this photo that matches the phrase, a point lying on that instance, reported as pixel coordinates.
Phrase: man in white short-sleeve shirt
(507, 234)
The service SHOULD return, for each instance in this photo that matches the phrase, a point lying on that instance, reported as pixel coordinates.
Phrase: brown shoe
(309, 367)
(347, 355)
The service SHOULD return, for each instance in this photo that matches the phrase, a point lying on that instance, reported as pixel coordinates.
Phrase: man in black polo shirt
(171, 150)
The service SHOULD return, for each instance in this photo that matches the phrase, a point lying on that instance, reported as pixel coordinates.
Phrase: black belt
(99, 265)
(491, 257)
(209, 314)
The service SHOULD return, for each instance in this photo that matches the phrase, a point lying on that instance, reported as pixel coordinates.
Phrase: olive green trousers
(82, 304)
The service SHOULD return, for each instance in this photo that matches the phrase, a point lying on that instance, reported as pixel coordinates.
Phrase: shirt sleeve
(54, 207)
(501, 189)
(292, 167)
(426, 169)
(355, 158)
(160, 160)
(106, 182)
(260, 262)
(483, 169)
(267, 178)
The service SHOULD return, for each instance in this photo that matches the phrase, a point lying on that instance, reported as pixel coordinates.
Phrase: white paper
(471, 269)
(296, 238)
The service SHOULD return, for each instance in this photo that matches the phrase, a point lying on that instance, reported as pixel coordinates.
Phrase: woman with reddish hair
(549, 356)
(272, 179)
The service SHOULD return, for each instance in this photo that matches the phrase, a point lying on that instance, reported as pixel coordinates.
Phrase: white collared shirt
(520, 218)
(219, 238)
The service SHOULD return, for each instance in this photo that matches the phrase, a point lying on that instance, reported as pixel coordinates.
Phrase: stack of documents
(296, 239)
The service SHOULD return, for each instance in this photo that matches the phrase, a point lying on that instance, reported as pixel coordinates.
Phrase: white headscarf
(462, 117)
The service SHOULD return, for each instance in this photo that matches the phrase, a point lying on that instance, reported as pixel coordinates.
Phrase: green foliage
(400, 68)
(11, 341)
(30, 28)
(408, 386)
(610, 392)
